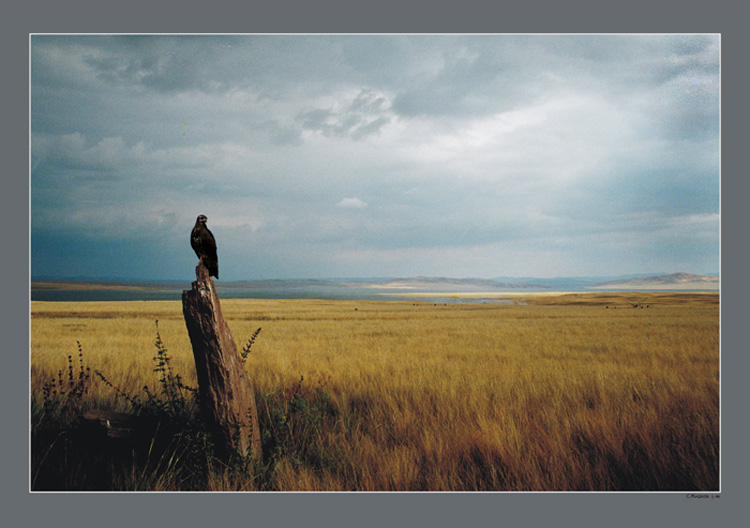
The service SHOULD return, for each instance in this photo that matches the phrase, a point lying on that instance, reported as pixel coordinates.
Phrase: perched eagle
(204, 246)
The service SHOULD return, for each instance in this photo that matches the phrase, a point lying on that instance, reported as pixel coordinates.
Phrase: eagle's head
(201, 219)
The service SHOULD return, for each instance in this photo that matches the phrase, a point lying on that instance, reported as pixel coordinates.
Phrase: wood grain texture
(227, 398)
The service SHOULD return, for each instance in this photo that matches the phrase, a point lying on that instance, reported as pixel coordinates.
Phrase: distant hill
(448, 284)
(375, 288)
(674, 281)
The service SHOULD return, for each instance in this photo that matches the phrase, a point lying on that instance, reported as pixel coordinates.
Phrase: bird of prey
(204, 245)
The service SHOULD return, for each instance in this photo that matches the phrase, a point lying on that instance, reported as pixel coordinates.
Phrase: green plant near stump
(176, 452)
(292, 423)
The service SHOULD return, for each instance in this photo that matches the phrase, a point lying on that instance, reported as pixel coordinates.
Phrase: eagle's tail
(213, 268)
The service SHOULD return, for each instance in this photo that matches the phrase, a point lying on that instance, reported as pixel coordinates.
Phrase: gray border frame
(386, 16)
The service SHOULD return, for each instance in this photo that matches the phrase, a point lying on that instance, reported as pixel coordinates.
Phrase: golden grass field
(573, 392)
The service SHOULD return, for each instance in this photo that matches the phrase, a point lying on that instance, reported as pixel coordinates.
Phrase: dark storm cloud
(473, 79)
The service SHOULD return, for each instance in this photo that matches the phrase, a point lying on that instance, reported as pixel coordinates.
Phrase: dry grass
(559, 394)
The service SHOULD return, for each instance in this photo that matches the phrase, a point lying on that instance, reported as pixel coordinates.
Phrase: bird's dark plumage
(204, 245)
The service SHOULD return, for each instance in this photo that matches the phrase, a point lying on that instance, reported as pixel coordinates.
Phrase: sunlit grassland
(563, 393)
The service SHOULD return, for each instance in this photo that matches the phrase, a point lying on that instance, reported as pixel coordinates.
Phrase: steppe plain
(540, 392)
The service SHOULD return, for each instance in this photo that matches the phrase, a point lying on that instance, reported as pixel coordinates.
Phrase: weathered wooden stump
(227, 399)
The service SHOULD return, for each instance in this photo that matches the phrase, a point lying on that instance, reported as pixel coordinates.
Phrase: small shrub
(170, 447)
(173, 450)
(293, 423)
(175, 401)
(54, 440)
(67, 390)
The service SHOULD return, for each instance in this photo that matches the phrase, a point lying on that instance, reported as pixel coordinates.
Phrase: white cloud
(351, 203)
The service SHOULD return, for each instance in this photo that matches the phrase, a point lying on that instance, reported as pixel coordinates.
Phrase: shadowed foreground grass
(565, 394)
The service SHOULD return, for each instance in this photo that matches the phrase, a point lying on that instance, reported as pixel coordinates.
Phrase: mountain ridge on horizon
(598, 281)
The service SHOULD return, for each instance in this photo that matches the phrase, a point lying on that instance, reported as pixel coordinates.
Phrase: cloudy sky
(320, 156)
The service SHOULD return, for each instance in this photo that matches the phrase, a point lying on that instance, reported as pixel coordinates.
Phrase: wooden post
(227, 398)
